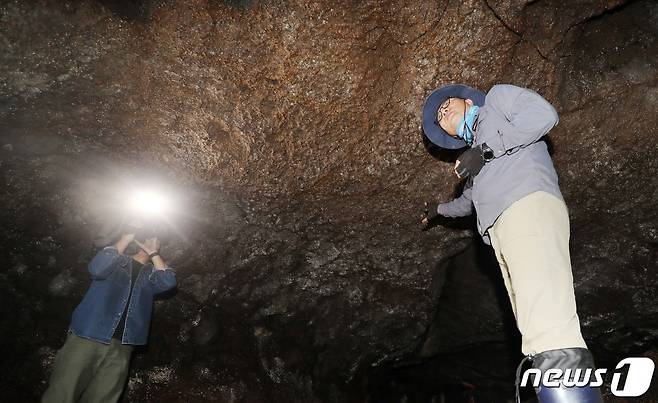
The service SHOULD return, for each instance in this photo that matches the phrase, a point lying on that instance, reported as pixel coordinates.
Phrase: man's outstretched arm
(459, 207)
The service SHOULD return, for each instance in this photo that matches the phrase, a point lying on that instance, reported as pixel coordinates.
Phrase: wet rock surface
(290, 132)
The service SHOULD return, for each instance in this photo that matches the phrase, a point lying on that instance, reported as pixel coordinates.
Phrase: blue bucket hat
(431, 129)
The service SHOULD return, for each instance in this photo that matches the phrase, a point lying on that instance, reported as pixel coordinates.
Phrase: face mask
(465, 126)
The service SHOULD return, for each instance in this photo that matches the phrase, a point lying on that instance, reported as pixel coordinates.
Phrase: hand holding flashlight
(150, 245)
(128, 235)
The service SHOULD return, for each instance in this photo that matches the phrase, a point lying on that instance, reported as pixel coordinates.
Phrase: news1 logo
(630, 378)
(638, 371)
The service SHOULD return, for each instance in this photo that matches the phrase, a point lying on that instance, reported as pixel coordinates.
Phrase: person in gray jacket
(521, 213)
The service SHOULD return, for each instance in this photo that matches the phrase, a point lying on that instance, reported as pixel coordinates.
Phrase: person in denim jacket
(113, 317)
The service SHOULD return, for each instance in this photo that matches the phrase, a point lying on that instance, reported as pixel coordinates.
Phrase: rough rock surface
(290, 131)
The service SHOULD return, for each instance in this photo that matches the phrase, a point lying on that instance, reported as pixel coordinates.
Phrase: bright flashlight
(149, 202)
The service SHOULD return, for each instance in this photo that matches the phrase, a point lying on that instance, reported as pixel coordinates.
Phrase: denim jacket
(99, 313)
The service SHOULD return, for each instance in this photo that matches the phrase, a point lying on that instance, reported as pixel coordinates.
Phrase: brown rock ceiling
(290, 130)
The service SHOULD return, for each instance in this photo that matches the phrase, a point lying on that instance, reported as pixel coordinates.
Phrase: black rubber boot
(564, 359)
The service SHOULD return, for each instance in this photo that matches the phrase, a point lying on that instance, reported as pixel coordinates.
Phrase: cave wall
(291, 131)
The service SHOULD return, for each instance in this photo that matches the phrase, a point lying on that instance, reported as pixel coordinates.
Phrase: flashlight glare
(149, 202)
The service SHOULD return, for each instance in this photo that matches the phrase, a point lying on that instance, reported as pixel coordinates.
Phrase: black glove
(431, 211)
(471, 161)
(429, 215)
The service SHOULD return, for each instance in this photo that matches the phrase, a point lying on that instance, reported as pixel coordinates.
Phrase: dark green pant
(88, 371)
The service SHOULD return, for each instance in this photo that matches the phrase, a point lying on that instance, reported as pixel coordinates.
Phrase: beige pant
(531, 240)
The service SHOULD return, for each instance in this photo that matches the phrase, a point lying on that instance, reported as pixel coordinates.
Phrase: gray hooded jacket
(511, 122)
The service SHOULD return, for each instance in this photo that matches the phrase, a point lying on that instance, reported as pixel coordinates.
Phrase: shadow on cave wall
(142, 10)
(132, 10)
(448, 364)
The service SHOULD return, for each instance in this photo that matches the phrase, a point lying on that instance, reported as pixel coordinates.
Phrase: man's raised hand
(150, 246)
(128, 235)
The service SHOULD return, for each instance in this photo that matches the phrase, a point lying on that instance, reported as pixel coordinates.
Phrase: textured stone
(289, 129)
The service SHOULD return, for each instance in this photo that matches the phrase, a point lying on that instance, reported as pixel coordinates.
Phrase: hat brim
(431, 129)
